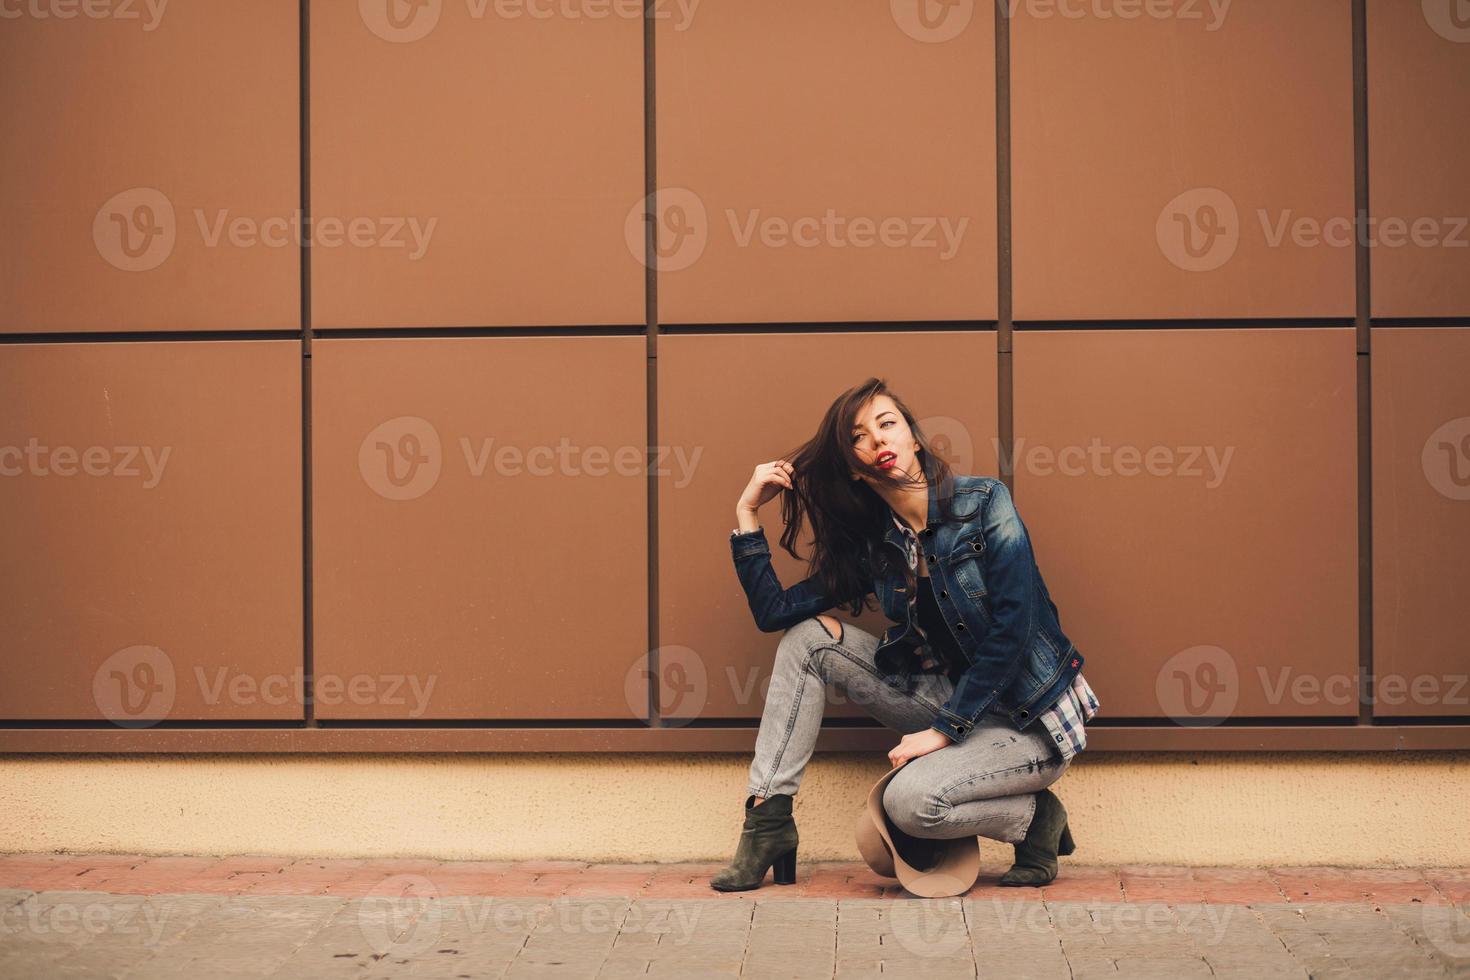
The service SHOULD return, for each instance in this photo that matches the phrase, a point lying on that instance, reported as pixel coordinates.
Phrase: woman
(977, 674)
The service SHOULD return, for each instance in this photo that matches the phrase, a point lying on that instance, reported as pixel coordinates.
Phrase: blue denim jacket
(986, 583)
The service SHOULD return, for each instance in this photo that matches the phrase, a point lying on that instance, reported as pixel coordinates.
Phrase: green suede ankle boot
(768, 840)
(1048, 836)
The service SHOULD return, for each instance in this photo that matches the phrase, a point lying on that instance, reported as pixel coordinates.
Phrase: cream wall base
(1369, 809)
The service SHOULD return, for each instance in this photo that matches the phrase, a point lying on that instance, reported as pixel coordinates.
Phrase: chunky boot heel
(768, 839)
(1036, 855)
(784, 869)
(1066, 845)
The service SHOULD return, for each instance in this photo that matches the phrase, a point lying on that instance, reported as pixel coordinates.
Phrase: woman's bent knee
(910, 805)
(812, 631)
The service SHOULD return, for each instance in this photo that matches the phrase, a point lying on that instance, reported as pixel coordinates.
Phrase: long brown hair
(847, 514)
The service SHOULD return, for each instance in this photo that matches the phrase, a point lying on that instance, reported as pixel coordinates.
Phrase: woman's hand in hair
(768, 480)
(916, 744)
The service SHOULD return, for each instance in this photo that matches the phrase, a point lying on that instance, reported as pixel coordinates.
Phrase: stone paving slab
(132, 916)
(56, 933)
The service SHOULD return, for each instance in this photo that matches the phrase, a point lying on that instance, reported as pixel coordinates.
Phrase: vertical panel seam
(1362, 360)
(650, 315)
(1004, 360)
(308, 653)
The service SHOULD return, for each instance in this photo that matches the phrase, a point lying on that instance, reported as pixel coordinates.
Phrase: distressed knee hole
(833, 627)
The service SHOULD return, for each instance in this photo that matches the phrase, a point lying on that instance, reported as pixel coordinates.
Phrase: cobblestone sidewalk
(130, 916)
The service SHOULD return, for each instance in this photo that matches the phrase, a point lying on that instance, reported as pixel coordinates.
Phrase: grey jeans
(985, 784)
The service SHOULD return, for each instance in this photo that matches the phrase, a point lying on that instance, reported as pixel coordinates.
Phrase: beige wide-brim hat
(954, 873)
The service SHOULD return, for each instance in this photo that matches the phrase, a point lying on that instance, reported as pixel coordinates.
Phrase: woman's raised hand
(768, 480)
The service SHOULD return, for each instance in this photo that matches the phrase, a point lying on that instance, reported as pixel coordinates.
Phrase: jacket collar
(897, 529)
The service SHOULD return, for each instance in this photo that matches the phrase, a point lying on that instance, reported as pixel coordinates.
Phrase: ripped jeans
(985, 785)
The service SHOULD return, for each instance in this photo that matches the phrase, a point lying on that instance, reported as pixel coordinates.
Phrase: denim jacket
(987, 585)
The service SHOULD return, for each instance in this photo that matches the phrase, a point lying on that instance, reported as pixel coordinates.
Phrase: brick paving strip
(255, 916)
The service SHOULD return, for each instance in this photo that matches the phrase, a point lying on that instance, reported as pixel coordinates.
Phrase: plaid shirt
(1064, 721)
(1077, 704)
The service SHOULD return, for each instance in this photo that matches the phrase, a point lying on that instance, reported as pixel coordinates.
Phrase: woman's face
(881, 437)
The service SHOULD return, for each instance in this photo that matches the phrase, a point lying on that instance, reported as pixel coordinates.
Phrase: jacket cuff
(956, 730)
(744, 543)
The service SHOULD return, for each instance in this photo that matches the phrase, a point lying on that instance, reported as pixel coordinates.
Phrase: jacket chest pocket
(966, 566)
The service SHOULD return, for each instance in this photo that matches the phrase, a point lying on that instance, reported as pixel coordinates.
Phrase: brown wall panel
(1421, 521)
(151, 163)
(480, 519)
(480, 503)
(715, 663)
(1191, 496)
(150, 522)
(492, 155)
(825, 161)
(1418, 156)
(1155, 158)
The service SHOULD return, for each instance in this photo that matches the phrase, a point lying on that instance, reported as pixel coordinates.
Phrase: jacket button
(1024, 712)
(944, 594)
(959, 626)
(931, 557)
(928, 532)
(975, 544)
